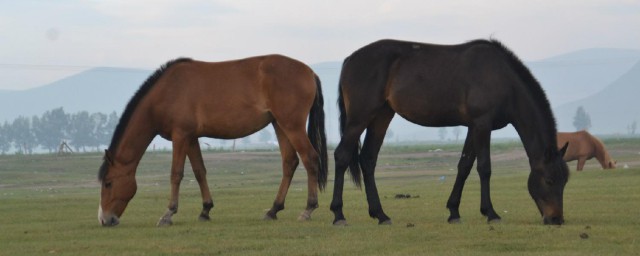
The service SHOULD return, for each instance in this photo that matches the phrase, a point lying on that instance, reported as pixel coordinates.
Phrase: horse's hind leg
(343, 157)
(297, 136)
(368, 159)
(465, 164)
(180, 149)
(200, 172)
(289, 164)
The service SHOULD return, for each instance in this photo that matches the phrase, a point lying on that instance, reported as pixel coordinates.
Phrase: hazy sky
(41, 41)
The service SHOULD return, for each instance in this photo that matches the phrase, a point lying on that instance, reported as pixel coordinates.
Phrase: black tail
(317, 135)
(354, 164)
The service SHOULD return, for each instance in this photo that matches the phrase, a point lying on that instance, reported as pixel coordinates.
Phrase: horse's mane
(131, 106)
(532, 84)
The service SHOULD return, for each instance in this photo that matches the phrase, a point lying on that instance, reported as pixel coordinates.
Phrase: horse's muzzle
(553, 220)
(107, 220)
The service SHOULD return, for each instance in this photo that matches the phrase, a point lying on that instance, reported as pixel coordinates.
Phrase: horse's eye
(548, 181)
(107, 184)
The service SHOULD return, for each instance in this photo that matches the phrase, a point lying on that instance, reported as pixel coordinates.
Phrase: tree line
(81, 130)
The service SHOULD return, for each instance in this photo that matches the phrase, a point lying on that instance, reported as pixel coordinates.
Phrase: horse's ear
(563, 150)
(107, 157)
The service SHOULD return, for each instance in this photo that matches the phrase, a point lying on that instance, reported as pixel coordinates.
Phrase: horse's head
(546, 186)
(611, 164)
(118, 186)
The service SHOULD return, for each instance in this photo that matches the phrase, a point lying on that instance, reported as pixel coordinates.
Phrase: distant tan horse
(584, 146)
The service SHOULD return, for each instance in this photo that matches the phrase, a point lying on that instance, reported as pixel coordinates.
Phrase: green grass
(48, 205)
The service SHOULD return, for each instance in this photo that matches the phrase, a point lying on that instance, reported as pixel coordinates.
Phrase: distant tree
(23, 138)
(582, 120)
(35, 124)
(81, 129)
(632, 128)
(456, 132)
(108, 129)
(100, 130)
(442, 133)
(5, 139)
(51, 129)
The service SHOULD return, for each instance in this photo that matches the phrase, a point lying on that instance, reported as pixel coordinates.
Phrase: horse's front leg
(177, 173)
(581, 162)
(482, 139)
(368, 159)
(200, 172)
(464, 168)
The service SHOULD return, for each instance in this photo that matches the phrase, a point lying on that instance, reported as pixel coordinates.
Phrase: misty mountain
(576, 75)
(576, 78)
(611, 110)
(96, 90)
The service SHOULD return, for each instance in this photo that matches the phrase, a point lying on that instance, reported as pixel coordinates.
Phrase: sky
(42, 41)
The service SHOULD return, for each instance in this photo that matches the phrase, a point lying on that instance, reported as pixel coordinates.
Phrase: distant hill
(95, 90)
(576, 75)
(611, 109)
(566, 78)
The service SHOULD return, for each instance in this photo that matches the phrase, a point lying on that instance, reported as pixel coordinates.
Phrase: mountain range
(605, 82)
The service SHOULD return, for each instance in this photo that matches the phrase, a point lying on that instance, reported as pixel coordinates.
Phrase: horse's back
(229, 99)
(429, 84)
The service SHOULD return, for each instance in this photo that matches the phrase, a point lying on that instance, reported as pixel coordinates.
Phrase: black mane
(131, 106)
(540, 98)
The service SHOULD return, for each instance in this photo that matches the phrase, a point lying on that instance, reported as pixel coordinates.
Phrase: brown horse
(480, 84)
(187, 99)
(584, 146)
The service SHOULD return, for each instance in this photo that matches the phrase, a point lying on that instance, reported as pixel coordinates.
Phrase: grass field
(48, 205)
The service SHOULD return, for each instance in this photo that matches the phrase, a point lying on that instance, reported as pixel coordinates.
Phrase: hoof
(304, 216)
(494, 221)
(268, 216)
(341, 223)
(164, 222)
(386, 222)
(204, 218)
(454, 221)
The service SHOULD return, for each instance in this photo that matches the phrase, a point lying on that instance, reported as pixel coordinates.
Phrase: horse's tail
(317, 135)
(354, 163)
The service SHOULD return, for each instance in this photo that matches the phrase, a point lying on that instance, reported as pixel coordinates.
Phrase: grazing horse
(187, 99)
(480, 84)
(584, 146)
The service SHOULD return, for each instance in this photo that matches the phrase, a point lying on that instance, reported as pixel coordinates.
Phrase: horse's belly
(234, 126)
(221, 124)
(429, 112)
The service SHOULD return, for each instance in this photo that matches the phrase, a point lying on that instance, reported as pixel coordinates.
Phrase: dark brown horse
(584, 146)
(480, 84)
(187, 99)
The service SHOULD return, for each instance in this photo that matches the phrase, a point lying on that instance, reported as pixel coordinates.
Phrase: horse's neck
(536, 131)
(600, 153)
(135, 139)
